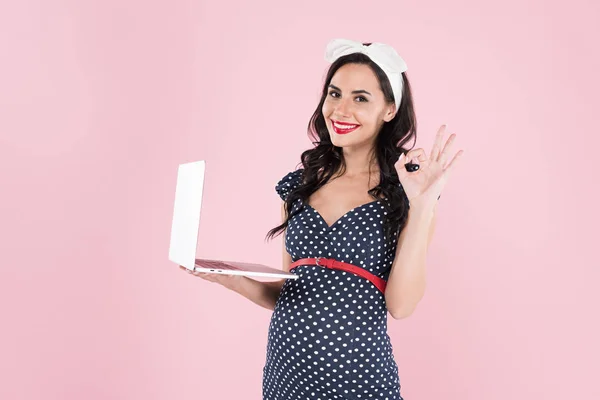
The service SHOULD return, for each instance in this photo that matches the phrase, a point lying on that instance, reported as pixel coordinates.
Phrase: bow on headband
(381, 54)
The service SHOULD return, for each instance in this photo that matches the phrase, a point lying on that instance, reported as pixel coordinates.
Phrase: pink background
(101, 100)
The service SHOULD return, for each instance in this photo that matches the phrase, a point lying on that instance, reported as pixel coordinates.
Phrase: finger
(452, 163)
(205, 275)
(437, 144)
(402, 159)
(211, 276)
(189, 271)
(417, 154)
(446, 151)
(400, 166)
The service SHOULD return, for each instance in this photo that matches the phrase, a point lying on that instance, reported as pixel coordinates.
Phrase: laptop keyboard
(215, 264)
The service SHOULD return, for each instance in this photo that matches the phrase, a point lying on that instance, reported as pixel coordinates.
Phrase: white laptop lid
(186, 214)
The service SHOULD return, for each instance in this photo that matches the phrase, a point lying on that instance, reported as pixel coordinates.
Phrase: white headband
(381, 54)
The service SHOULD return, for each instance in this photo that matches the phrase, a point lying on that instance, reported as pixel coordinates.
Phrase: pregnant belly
(330, 323)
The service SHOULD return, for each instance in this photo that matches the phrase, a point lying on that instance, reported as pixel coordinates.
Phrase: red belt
(334, 264)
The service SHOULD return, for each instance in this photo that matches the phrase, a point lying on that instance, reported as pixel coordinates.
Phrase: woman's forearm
(406, 282)
(265, 294)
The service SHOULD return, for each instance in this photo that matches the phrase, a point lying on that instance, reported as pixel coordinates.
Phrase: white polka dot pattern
(328, 332)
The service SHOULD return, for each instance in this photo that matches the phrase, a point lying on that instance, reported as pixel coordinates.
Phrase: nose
(343, 107)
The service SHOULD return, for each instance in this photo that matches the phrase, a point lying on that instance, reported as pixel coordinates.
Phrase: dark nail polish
(410, 167)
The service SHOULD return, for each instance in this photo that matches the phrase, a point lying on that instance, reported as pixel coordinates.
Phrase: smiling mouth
(341, 128)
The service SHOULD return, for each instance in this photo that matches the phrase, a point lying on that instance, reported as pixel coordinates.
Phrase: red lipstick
(342, 128)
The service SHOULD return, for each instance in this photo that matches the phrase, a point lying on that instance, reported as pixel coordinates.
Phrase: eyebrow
(353, 92)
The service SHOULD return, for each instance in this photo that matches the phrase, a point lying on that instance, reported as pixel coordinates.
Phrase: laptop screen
(186, 213)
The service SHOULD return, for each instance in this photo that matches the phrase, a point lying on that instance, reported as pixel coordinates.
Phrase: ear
(390, 113)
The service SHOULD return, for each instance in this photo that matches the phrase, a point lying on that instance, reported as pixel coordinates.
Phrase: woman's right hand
(228, 281)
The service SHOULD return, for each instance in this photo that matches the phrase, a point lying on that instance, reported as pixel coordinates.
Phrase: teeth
(346, 127)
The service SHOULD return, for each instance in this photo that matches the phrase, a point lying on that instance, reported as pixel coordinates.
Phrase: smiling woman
(328, 332)
(357, 227)
(362, 253)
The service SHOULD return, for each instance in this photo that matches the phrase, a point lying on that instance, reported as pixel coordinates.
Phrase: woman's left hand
(425, 185)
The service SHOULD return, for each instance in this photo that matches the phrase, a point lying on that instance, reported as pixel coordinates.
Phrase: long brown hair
(321, 162)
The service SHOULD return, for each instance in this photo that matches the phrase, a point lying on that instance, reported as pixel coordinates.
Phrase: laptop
(186, 225)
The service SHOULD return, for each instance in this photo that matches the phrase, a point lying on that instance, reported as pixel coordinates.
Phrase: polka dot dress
(328, 332)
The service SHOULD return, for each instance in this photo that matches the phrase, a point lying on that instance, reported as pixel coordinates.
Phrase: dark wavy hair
(321, 162)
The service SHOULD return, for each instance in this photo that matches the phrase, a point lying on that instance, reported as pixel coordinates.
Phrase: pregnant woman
(357, 218)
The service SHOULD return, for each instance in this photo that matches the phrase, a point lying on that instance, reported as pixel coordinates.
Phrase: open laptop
(186, 224)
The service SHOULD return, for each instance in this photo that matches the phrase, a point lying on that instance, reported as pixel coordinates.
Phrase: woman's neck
(360, 163)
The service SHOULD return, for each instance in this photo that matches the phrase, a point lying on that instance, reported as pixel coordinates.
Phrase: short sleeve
(289, 182)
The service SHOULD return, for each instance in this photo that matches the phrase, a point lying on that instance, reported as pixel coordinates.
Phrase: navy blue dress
(328, 332)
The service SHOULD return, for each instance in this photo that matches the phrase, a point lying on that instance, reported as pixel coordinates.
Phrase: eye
(334, 94)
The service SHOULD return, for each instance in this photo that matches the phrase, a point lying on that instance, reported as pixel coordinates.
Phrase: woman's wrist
(419, 209)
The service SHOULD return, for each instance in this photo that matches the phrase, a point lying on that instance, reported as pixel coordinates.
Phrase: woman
(358, 219)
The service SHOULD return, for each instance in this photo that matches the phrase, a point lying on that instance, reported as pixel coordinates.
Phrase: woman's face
(355, 108)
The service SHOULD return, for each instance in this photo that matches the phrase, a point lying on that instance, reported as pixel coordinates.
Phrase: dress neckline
(351, 211)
